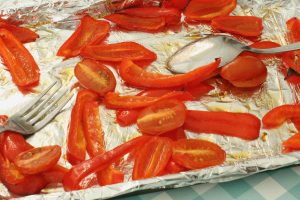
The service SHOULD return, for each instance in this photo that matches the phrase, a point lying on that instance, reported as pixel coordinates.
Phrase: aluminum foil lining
(55, 20)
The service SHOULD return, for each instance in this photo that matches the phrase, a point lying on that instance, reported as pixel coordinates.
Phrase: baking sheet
(55, 21)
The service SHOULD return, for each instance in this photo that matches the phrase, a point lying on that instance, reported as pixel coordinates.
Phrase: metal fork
(39, 112)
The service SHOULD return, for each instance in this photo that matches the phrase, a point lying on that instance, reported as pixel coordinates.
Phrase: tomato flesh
(152, 158)
(95, 76)
(161, 117)
(197, 154)
(38, 160)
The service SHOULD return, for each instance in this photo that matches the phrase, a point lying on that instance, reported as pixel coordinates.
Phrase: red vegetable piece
(9, 173)
(242, 125)
(89, 31)
(127, 117)
(199, 90)
(152, 158)
(23, 34)
(76, 144)
(18, 60)
(296, 122)
(3, 120)
(136, 76)
(174, 168)
(291, 144)
(171, 15)
(161, 117)
(176, 134)
(206, 10)
(95, 76)
(78, 172)
(249, 26)
(119, 51)
(37, 160)
(252, 74)
(110, 176)
(277, 116)
(55, 174)
(197, 154)
(179, 4)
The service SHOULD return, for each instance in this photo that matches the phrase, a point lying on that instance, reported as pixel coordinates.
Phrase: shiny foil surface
(55, 21)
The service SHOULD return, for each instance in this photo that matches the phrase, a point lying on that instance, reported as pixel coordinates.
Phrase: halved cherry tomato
(296, 122)
(76, 144)
(118, 51)
(161, 117)
(174, 168)
(199, 90)
(136, 76)
(293, 26)
(95, 76)
(78, 172)
(179, 4)
(89, 31)
(242, 25)
(18, 60)
(55, 174)
(291, 144)
(263, 45)
(152, 158)
(252, 74)
(137, 23)
(23, 34)
(171, 15)
(197, 154)
(115, 101)
(206, 10)
(9, 173)
(243, 125)
(14, 144)
(38, 160)
(277, 116)
(175, 134)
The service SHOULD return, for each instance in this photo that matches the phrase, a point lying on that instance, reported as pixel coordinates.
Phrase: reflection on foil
(55, 20)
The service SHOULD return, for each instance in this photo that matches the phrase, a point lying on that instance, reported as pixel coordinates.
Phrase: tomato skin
(152, 158)
(242, 125)
(296, 122)
(115, 101)
(206, 10)
(211, 154)
(89, 31)
(95, 76)
(179, 4)
(137, 23)
(291, 144)
(9, 172)
(174, 135)
(78, 172)
(136, 76)
(127, 117)
(293, 26)
(118, 51)
(23, 34)
(252, 74)
(76, 144)
(162, 117)
(277, 116)
(249, 26)
(55, 174)
(37, 160)
(171, 15)
(18, 60)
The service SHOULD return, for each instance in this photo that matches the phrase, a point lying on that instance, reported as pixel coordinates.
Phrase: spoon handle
(286, 48)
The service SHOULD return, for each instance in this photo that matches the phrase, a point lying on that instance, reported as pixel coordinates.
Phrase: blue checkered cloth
(281, 184)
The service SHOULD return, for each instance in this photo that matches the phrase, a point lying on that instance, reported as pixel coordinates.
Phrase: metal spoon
(206, 50)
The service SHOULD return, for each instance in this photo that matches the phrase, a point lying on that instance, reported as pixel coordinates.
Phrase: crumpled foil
(55, 20)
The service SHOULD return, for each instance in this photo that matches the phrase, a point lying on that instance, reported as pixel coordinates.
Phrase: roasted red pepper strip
(171, 15)
(176, 134)
(206, 10)
(277, 116)
(95, 142)
(23, 34)
(76, 144)
(243, 125)
(179, 4)
(199, 90)
(18, 60)
(89, 31)
(55, 174)
(115, 101)
(136, 76)
(296, 122)
(291, 144)
(117, 52)
(78, 172)
(137, 23)
(242, 25)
